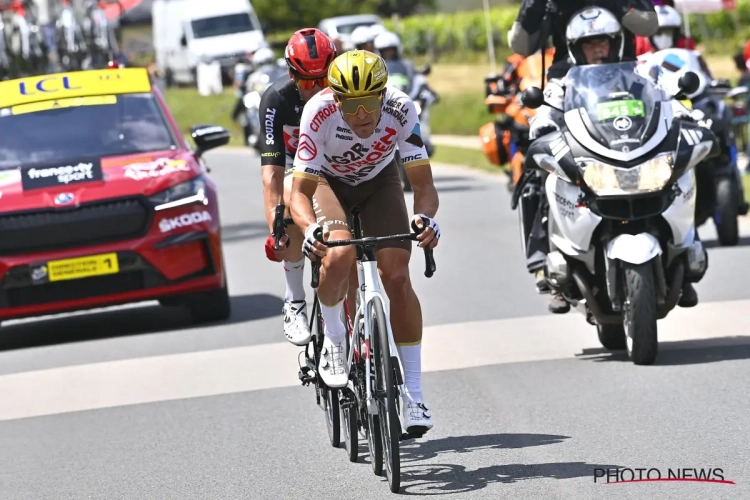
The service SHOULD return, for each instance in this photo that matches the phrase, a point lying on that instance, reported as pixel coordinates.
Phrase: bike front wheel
(386, 394)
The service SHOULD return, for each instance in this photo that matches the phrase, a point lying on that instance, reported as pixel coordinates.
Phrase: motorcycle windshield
(618, 101)
(398, 75)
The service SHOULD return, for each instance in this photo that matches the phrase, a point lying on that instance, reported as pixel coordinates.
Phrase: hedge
(466, 31)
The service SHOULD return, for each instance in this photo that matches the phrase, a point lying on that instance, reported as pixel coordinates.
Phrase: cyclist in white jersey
(346, 158)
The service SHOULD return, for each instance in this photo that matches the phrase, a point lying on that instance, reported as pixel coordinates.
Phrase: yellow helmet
(357, 73)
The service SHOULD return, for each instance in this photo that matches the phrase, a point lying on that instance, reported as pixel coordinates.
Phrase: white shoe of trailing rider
(296, 327)
(332, 367)
(414, 415)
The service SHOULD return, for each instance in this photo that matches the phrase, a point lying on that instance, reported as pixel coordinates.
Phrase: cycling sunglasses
(351, 105)
(310, 83)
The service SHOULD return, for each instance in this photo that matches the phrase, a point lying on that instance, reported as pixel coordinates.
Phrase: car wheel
(206, 307)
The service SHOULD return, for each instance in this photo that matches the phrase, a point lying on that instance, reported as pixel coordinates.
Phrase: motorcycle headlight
(607, 180)
(192, 191)
(251, 100)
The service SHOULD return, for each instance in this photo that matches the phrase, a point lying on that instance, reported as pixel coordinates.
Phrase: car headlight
(192, 191)
(251, 100)
(607, 180)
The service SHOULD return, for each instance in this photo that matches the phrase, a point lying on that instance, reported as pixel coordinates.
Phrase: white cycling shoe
(333, 359)
(416, 418)
(296, 327)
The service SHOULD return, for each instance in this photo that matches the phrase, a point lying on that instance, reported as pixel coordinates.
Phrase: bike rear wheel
(386, 394)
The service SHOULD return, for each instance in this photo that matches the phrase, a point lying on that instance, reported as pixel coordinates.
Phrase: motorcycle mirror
(533, 97)
(426, 69)
(689, 83)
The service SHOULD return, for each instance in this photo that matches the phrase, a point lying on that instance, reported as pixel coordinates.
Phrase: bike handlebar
(280, 222)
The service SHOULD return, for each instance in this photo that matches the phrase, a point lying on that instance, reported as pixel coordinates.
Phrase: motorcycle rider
(388, 45)
(594, 36)
(308, 54)
(363, 37)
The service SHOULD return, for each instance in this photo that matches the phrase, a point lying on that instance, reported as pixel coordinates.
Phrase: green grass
(464, 156)
(189, 108)
(746, 184)
(459, 114)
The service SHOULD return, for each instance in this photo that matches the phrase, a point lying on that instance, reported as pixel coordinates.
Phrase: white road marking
(226, 371)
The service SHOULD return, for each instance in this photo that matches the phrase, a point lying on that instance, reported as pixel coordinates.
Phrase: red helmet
(309, 53)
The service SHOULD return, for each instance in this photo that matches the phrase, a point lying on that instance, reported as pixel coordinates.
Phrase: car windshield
(82, 127)
(223, 25)
(619, 102)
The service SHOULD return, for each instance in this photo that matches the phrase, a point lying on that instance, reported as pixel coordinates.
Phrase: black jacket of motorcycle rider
(638, 17)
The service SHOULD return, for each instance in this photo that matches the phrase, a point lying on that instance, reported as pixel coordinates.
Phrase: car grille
(91, 224)
(75, 289)
(632, 208)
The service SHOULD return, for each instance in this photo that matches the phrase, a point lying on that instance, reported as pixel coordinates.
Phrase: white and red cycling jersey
(328, 146)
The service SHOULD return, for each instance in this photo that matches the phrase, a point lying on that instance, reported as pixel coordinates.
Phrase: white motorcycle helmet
(670, 24)
(361, 35)
(594, 22)
(387, 40)
(262, 56)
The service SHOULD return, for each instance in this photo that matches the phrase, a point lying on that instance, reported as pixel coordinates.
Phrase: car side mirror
(533, 97)
(207, 137)
(689, 83)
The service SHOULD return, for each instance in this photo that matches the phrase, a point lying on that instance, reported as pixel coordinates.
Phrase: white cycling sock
(411, 359)
(334, 325)
(294, 275)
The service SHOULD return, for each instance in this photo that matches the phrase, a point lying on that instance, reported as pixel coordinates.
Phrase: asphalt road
(136, 403)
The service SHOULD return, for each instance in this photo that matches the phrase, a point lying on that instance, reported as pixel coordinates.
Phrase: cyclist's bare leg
(406, 311)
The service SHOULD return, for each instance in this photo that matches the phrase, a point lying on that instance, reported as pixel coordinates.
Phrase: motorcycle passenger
(594, 36)
(333, 167)
(669, 35)
(308, 55)
(636, 16)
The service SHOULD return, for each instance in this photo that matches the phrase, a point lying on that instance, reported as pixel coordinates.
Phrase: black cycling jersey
(279, 112)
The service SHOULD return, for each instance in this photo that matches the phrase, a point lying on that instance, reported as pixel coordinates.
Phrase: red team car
(102, 201)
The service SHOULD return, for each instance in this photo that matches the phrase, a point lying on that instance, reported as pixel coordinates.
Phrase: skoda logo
(622, 123)
(64, 198)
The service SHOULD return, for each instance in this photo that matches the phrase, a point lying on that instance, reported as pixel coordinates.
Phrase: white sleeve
(410, 145)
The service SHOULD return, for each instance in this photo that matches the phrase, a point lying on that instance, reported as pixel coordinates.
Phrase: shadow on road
(744, 241)
(440, 479)
(102, 324)
(458, 189)
(684, 352)
(445, 479)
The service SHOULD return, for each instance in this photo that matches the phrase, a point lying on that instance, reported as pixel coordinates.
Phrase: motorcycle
(621, 190)
(256, 84)
(720, 194)
(506, 139)
(423, 96)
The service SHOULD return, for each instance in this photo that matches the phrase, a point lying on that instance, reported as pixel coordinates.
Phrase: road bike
(370, 402)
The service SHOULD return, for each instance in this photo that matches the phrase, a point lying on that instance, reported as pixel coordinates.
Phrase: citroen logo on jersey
(306, 149)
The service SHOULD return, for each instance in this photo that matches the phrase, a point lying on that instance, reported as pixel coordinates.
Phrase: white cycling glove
(307, 245)
(431, 223)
